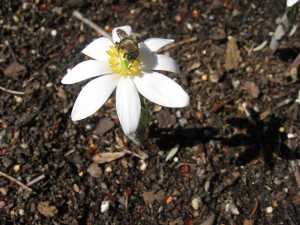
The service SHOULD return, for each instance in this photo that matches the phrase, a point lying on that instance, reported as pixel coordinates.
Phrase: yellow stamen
(119, 64)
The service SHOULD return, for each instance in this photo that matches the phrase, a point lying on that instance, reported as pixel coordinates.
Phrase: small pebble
(161, 153)
(80, 173)
(49, 85)
(94, 170)
(108, 169)
(88, 127)
(269, 209)
(236, 83)
(178, 114)
(277, 181)
(196, 213)
(143, 165)
(2, 204)
(232, 209)
(175, 159)
(207, 185)
(182, 122)
(21, 212)
(16, 19)
(16, 168)
(157, 108)
(196, 202)
(104, 206)
(275, 203)
(53, 33)
(195, 13)
(122, 200)
(189, 26)
(290, 136)
(76, 188)
(204, 77)
(25, 5)
(107, 28)
(3, 191)
(19, 99)
(177, 18)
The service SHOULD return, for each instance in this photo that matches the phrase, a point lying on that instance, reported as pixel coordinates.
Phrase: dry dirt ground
(238, 141)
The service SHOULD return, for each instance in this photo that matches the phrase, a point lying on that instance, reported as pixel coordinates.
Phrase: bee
(128, 45)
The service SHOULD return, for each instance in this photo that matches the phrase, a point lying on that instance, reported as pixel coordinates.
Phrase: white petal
(97, 49)
(85, 70)
(290, 3)
(161, 90)
(153, 44)
(152, 61)
(94, 95)
(128, 105)
(115, 37)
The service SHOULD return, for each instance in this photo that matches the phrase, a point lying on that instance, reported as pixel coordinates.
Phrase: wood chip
(252, 88)
(94, 170)
(15, 69)
(105, 125)
(45, 209)
(232, 55)
(107, 157)
(248, 222)
(150, 196)
(210, 220)
(227, 182)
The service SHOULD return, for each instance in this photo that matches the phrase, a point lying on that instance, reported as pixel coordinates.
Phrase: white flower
(111, 70)
(290, 3)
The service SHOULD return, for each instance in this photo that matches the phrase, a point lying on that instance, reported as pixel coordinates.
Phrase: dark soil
(233, 146)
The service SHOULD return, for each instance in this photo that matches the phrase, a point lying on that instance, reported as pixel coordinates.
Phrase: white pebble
(269, 209)
(104, 206)
(182, 122)
(232, 209)
(178, 114)
(21, 212)
(189, 26)
(290, 136)
(196, 202)
(49, 85)
(143, 165)
(88, 127)
(108, 169)
(175, 159)
(19, 99)
(53, 33)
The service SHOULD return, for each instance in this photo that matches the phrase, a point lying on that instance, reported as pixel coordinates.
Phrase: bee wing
(127, 29)
(121, 33)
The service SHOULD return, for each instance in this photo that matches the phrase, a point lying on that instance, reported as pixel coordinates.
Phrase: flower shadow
(250, 139)
(147, 58)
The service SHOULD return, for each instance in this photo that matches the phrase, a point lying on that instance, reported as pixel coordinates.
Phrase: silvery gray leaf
(279, 32)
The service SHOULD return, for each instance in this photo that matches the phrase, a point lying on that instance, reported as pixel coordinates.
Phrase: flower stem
(141, 132)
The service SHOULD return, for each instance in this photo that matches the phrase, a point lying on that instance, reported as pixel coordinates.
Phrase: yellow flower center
(119, 64)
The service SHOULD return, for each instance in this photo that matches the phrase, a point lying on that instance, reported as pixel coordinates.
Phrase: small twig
(254, 209)
(91, 24)
(13, 92)
(39, 178)
(15, 180)
(10, 49)
(185, 41)
(134, 154)
(296, 62)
